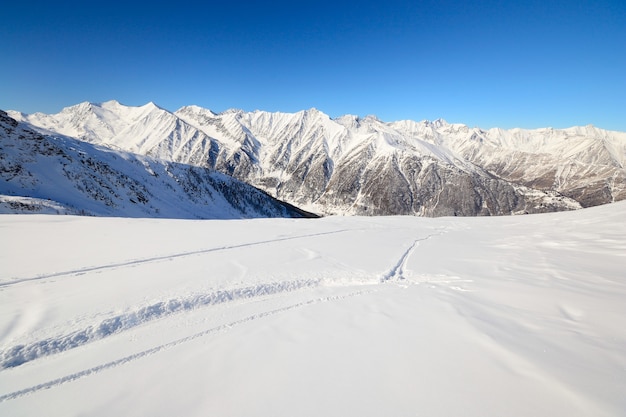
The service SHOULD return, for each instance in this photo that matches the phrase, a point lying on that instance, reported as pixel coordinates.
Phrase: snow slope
(368, 316)
(62, 175)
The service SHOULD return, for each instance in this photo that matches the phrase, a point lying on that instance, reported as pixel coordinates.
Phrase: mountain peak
(371, 118)
(195, 109)
(313, 110)
(152, 106)
(85, 105)
(110, 103)
(440, 122)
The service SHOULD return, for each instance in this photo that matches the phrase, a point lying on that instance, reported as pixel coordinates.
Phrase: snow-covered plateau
(338, 316)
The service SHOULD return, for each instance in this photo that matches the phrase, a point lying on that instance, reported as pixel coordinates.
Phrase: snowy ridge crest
(354, 165)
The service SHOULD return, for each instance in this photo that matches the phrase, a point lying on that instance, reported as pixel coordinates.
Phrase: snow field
(337, 316)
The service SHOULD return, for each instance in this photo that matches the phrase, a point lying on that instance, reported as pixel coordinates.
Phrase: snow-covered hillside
(587, 164)
(63, 175)
(353, 165)
(366, 316)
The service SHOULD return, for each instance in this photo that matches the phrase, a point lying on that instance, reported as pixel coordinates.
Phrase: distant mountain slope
(353, 165)
(64, 175)
(586, 164)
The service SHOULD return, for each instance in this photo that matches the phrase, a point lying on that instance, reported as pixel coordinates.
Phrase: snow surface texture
(41, 174)
(353, 165)
(368, 316)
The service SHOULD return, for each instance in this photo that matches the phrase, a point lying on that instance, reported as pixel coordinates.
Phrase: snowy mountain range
(353, 165)
(46, 174)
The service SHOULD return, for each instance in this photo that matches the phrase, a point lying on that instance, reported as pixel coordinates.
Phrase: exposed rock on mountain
(353, 165)
(586, 164)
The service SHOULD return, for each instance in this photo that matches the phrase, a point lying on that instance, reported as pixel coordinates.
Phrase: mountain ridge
(354, 165)
(46, 174)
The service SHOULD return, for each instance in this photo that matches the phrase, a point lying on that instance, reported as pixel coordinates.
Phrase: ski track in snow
(396, 273)
(137, 262)
(21, 354)
(156, 349)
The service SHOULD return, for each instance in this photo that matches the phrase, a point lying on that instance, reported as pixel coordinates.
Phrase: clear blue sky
(486, 63)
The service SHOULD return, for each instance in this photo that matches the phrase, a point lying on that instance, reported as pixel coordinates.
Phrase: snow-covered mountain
(587, 164)
(353, 165)
(64, 175)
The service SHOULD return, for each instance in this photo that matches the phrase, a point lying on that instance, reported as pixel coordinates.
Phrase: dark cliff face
(397, 184)
(588, 184)
(415, 187)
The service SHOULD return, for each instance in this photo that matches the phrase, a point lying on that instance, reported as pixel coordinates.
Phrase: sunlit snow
(340, 316)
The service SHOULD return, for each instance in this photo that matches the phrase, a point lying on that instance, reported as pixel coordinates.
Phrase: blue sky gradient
(487, 63)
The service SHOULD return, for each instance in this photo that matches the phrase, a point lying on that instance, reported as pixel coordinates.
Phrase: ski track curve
(20, 354)
(396, 272)
(94, 370)
(136, 262)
